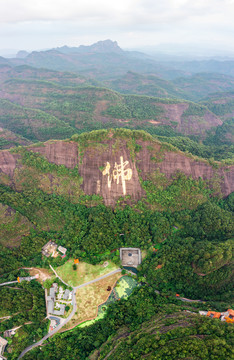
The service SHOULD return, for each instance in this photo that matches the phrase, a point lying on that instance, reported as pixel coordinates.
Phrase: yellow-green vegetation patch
(125, 287)
(88, 299)
(84, 272)
(122, 290)
(12, 226)
(90, 322)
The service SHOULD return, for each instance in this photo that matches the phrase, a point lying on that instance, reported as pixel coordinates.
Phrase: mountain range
(102, 149)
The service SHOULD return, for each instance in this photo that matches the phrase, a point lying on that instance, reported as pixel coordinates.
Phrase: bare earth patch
(44, 274)
(154, 122)
(89, 298)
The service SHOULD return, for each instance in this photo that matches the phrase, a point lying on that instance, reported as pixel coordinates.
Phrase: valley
(104, 150)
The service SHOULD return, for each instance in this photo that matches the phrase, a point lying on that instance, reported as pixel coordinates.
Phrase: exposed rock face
(191, 124)
(108, 168)
(110, 174)
(173, 162)
(7, 163)
(59, 152)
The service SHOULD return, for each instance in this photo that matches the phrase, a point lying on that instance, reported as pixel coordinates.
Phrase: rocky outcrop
(110, 169)
(59, 152)
(7, 163)
(110, 173)
(191, 124)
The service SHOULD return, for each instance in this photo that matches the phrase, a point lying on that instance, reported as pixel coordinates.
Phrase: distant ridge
(104, 46)
(100, 61)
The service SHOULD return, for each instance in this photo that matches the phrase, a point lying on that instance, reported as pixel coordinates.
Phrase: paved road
(189, 300)
(98, 279)
(75, 307)
(53, 331)
(10, 282)
(89, 282)
(58, 275)
(72, 313)
(27, 278)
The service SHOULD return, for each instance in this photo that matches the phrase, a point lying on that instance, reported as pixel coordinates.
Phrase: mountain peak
(102, 47)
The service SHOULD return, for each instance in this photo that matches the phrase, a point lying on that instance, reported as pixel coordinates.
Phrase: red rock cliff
(109, 170)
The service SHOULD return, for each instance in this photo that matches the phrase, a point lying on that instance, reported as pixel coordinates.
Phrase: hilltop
(51, 104)
(92, 158)
(194, 87)
(84, 107)
(155, 173)
(102, 60)
(99, 191)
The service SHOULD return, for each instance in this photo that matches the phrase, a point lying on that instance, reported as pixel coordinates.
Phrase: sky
(134, 24)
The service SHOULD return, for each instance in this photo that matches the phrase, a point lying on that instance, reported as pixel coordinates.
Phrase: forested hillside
(194, 88)
(59, 190)
(40, 104)
(86, 108)
(146, 326)
(101, 149)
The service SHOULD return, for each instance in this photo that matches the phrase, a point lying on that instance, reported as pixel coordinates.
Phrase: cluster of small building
(227, 316)
(51, 249)
(3, 344)
(55, 295)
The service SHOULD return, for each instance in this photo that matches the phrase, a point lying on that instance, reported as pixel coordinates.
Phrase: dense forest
(174, 128)
(91, 233)
(147, 325)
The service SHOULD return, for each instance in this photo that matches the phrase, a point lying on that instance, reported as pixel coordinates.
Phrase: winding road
(73, 311)
(89, 282)
(53, 332)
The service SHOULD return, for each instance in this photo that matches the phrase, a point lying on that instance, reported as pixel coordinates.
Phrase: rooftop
(66, 294)
(62, 249)
(3, 343)
(130, 256)
(61, 311)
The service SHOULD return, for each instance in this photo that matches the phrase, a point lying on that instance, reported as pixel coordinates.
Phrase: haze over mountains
(58, 92)
(102, 148)
(107, 59)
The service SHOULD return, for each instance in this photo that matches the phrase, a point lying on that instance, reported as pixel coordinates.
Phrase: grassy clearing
(124, 287)
(89, 298)
(84, 273)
